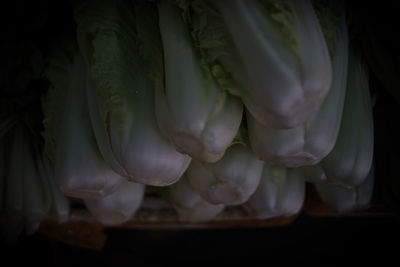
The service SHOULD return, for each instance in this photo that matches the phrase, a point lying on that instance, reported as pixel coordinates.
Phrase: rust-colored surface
(81, 234)
(84, 231)
(137, 224)
(91, 234)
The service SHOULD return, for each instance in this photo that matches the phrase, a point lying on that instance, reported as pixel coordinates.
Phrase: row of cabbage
(216, 103)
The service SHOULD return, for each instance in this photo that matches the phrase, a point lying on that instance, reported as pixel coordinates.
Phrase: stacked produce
(216, 104)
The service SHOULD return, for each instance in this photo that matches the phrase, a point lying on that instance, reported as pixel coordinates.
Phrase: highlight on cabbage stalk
(231, 180)
(121, 94)
(281, 193)
(309, 142)
(349, 162)
(272, 54)
(189, 205)
(119, 206)
(340, 198)
(70, 143)
(198, 116)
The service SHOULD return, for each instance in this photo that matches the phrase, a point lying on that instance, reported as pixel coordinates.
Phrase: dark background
(309, 240)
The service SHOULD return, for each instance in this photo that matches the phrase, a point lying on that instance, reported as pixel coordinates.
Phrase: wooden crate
(82, 230)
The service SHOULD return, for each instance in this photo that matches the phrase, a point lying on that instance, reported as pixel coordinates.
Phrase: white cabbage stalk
(34, 188)
(346, 199)
(79, 168)
(60, 208)
(26, 194)
(311, 141)
(119, 206)
(284, 71)
(121, 96)
(349, 163)
(189, 205)
(231, 180)
(198, 117)
(3, 166)
(281, 193)
(13, 192)
(313, 173)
